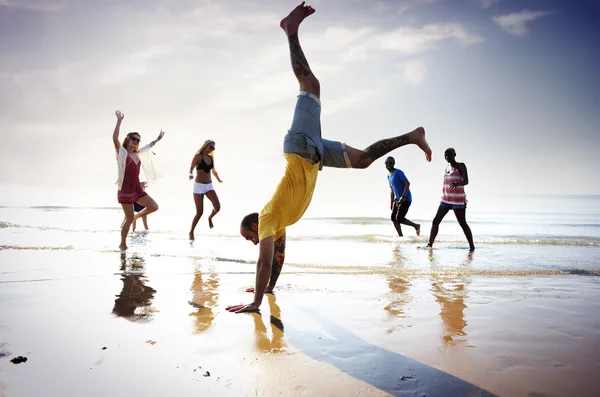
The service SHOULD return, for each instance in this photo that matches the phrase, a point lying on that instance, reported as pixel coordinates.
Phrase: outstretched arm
(120, 117)
(215, 173)
(263, 273)
(160, 136)
(278, 259)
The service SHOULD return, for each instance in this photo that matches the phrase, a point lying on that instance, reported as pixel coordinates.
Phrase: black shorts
(138, 207)
(399, 211)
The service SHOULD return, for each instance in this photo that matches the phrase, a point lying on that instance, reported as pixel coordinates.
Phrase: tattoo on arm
(384, 146)
(299, 62)
(278, 258)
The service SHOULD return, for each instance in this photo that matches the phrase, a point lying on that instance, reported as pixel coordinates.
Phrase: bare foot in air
(191, 236)
(210, 224)
(291, 23)
(418, 229)
(418, 138)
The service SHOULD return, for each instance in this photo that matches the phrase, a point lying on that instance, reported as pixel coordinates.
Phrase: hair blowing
(249, 220)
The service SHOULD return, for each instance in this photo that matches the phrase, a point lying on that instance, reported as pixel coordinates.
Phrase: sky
(514, 87)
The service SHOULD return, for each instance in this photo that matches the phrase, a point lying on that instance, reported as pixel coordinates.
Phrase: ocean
(356, 310)
(531, 235)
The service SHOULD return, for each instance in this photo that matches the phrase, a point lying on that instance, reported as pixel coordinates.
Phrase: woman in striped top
(453, 198)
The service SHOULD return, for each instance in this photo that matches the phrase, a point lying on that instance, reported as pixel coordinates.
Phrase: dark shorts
(453, 206)
(138, 207)
(399, 211)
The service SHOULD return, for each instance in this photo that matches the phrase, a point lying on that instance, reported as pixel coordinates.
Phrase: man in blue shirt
(400, 197)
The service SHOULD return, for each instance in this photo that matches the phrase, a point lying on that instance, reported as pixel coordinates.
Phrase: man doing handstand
(306, 153)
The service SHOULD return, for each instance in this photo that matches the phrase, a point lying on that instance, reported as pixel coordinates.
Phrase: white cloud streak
(410, 41)
(516, 23)
(36, 5)
(485, 4)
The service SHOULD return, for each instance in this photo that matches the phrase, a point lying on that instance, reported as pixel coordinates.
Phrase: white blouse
(145, 155)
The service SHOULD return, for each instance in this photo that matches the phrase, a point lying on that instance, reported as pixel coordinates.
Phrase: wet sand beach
(440, 329)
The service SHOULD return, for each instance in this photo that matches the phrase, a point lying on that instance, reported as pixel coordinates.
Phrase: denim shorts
(304, 136)
(453, 206)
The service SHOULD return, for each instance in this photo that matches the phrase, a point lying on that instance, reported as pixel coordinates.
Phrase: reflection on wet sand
(265, 344)
(398, 287)
(134, 302)
(449, 290)
(204, 298)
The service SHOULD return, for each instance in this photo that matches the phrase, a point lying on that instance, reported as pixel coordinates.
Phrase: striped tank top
(456, 195)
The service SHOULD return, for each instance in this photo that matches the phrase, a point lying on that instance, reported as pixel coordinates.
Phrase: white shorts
(203, 188)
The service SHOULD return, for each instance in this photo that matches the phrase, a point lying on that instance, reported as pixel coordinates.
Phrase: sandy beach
(92, 323)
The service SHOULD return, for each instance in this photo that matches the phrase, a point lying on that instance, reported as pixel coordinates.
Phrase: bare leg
(290, 24)
(199, 201)
(441, 213)
(129, 215)
(133, 225)
(150, 205)
(214, 199)
(398, 228)
(411, 223)
(461, 217)
(145, 219)
(364, 158)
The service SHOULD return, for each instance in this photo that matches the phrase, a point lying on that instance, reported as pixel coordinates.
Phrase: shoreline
(321, 334)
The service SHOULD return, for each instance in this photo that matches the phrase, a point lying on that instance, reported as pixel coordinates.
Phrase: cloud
(411, 41)
(36, 5)
(485, 4)
(413, 72)
(516, 23)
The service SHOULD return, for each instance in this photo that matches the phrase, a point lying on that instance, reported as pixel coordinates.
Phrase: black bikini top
(204, 166)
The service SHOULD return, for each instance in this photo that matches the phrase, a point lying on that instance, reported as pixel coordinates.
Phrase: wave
(36, 248)
(583, 241)
(505, 240)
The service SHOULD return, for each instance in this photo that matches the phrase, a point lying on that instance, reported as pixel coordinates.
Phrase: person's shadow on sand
(388, 371)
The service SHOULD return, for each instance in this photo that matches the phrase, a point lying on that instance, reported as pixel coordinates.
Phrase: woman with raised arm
(130, 158)
(204, 163)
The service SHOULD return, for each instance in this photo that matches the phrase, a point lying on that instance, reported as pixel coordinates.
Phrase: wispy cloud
(516, 23)
(485, 4)
(411, 41)
(36, 5)
(413, 72)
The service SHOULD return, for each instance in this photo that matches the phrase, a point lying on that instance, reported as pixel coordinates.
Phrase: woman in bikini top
(204, 163)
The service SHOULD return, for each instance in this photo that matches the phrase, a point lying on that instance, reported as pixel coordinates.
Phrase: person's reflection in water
(275, 344)
(399, 285)
(134, 302)
(449, 289)
(204, 298)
